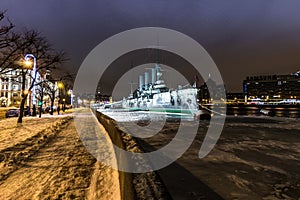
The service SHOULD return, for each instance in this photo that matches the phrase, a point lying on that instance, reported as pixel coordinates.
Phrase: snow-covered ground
(44, 159)
(255, 158)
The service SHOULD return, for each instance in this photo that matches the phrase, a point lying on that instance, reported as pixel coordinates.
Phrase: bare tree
(13, 47)
(51, 88)
(8, 48)
(5, 29)
(46, 58)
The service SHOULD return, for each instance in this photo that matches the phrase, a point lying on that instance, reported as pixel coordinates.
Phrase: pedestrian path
(57, 116)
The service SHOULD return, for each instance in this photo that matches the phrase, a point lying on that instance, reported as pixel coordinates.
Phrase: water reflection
(278, 110)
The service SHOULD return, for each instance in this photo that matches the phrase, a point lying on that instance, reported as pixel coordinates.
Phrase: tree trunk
(41, 106)
(21, 114)
(24, 97)
(52, 104)
(51, 108)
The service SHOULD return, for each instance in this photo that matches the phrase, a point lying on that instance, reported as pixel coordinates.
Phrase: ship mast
(131, 83)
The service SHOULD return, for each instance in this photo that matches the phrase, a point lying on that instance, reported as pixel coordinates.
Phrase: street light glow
(28, 63)
(25, 92)
(33, 74)
(60, 85)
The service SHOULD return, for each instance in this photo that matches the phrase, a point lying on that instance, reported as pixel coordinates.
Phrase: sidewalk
(12, 133)
(44, 158)
(55, 115)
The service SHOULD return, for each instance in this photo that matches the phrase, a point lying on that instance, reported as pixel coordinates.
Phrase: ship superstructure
(156, 96)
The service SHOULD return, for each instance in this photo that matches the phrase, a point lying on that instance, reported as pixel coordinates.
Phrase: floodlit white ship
(155, 96)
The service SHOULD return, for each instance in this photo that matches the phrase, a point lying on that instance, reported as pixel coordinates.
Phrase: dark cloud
(243, 37)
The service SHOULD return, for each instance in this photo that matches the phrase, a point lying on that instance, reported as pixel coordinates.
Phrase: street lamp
(25, 92)
(28, 64)
(60, 86)
(33, 74)
(70, 93)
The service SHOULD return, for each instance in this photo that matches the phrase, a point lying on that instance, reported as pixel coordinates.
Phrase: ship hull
(179, 101)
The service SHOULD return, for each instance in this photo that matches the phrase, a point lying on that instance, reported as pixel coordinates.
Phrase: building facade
(11, 88)
(272, 87)
(235, 97)
(210, 96)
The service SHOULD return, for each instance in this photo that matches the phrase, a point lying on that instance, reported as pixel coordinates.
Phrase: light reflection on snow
(121, 115)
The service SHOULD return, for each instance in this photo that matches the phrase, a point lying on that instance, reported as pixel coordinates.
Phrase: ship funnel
(141, 82)
(153, 75)
(146, 80)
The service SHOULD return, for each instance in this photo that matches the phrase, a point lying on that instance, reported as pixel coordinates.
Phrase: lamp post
(60, 86)
(70, 93)
(64, 105)
(33, 74)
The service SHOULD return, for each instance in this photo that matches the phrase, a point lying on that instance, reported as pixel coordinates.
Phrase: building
(213, 95)
(11, 88)
(235, 97)
(203, 94)
(272, 87)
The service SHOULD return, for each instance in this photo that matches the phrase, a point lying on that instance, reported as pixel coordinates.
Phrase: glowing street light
(25, 92)
(70, 93)
(60, 85)
(28, 63)
(33, 74)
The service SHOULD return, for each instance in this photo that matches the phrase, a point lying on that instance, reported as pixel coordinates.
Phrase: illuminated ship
(155, 96)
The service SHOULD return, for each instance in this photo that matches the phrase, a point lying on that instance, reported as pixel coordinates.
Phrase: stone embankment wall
(125, 179)
(133, 186)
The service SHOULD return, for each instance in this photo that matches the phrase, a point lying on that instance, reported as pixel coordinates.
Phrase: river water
(292, 111)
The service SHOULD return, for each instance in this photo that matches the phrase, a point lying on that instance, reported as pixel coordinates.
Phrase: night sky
(243, 37)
